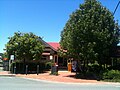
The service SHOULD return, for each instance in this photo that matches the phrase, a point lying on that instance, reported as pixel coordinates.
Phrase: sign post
(12, 57)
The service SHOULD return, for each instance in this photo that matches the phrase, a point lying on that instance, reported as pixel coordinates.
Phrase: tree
(25, 46)
(90, 32)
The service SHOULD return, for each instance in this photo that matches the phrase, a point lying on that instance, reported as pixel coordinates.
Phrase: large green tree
(90, 33)
(25, 46)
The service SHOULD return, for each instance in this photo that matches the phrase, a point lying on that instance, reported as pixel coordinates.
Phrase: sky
(45, 18)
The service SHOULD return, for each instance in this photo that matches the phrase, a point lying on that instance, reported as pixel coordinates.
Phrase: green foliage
(62, 52)
(93, 71)
(90, 33)
(25, 46)
(55, 73)
(5, 55)
(95, 68)
(48, 65)
(111, 75)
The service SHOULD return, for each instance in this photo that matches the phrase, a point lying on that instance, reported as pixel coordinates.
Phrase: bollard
(14, 69)
(26, 71)
(37, 69)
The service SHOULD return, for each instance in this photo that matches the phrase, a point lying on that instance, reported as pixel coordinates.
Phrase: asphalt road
(16, 83)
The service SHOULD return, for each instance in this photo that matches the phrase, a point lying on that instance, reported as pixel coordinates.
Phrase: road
(16, 83)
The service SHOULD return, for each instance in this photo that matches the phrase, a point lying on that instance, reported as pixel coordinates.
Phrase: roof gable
(55, 45)
(51, 45)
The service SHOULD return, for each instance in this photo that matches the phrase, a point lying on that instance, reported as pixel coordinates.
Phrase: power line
(116, 7)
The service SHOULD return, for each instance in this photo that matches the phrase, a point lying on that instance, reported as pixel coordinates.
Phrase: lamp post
(54, 67)
(51, 58)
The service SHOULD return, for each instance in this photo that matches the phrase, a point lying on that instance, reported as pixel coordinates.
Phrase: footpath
(63, 77)
(6, 73)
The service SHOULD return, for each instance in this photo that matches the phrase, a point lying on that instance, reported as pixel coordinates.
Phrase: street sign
(12, 57)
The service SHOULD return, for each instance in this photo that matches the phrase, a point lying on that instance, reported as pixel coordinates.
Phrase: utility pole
(116, 7)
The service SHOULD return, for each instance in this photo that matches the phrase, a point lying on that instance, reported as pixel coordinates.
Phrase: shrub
(95, 68)
(54, 73)
(115, 67)
(48, 65)
(112, 74)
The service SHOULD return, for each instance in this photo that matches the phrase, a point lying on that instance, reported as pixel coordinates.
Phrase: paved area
(63, 77)
(6, 73)
(17, 83)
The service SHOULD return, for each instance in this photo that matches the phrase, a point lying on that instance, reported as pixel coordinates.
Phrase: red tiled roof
(55, 45)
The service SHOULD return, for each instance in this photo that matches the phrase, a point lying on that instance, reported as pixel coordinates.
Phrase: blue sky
(45, 18)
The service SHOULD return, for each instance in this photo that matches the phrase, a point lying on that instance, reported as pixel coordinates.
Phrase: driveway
(18, 83)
